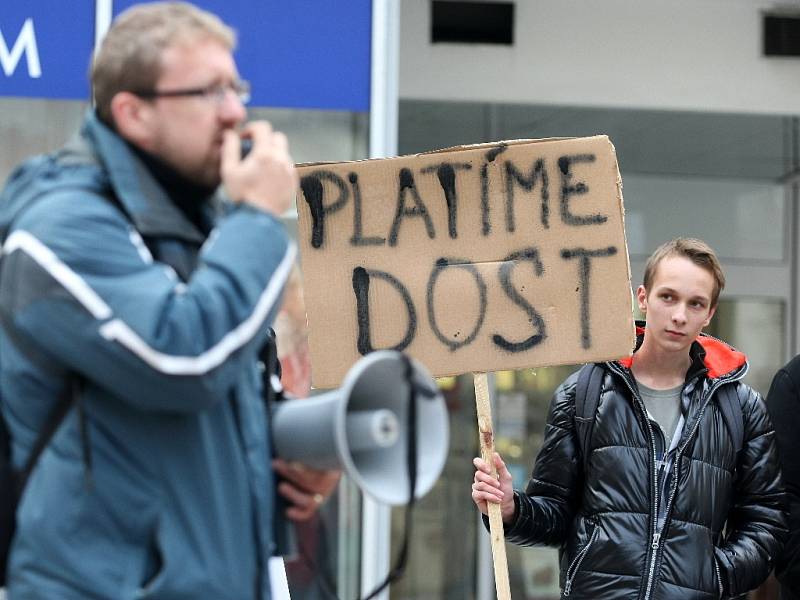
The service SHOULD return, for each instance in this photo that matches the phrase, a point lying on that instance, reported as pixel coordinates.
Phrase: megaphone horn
(361, 427)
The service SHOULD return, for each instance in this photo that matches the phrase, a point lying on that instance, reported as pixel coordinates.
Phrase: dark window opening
(781, 35)
(472, 22)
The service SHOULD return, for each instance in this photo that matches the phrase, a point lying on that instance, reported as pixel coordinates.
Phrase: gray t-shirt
(664, 407)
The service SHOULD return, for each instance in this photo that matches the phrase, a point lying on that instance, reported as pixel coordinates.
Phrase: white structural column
(376, 518)
(385, 64)
(103, 11)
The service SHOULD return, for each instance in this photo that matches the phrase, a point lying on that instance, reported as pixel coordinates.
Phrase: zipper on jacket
(656, 540)
(674, 487)
(576, 563)
(656, 534)
(676, 474)
(719, 577)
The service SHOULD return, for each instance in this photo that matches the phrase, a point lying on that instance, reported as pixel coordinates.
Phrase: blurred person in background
(313, 559)
(783, 403)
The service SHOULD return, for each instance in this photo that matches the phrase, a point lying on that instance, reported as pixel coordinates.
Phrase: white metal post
(376, 518)
(385, 62)
(103, 11)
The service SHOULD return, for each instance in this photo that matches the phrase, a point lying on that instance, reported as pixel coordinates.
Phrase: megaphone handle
(486, 434)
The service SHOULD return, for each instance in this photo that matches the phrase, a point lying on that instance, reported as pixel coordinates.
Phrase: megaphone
(362, 427)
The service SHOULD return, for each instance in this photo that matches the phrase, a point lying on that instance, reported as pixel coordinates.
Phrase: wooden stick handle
(495, 518)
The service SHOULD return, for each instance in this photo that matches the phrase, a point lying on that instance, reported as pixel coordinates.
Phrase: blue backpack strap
(728, 400)
(587, 399)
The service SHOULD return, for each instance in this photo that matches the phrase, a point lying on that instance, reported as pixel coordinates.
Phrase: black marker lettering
(446, 172)
(361, 279)
(490, 156)
(534, 318)
(313, 192)
(584, 275)
(419, 209)
(358, 239)
(568, 190)
(527, 183)
(441, 265)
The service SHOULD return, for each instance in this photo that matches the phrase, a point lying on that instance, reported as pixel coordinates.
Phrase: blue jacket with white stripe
(179, 499)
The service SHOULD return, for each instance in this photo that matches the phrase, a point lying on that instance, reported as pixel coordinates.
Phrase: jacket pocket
(575, 566)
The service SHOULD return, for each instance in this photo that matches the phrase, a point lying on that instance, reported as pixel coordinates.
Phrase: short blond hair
(696, 251)
(129, 58)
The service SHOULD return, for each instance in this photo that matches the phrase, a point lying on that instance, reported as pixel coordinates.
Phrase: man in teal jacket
(126, 281)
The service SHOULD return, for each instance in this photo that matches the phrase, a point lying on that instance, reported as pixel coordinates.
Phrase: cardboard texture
(478, 258)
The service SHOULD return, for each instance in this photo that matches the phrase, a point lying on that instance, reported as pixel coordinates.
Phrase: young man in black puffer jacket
(666, 503)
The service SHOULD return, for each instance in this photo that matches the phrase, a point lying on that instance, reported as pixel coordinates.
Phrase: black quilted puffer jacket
(722, 515)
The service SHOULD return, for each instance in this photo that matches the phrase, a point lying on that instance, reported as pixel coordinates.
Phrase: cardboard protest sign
(477, 258)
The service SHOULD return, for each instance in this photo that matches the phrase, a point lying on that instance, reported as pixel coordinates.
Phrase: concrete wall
(680, 54)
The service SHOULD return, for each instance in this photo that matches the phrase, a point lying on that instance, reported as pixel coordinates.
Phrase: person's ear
(641, 298)
(133, 118)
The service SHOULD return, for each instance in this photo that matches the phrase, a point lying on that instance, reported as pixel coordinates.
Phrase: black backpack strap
(22, 177)
(587, 399)
(69, 395)
(728, 400)
(66, 399)
(16, 480)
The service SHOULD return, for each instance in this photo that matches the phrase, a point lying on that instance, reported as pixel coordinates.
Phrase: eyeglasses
(216, 92)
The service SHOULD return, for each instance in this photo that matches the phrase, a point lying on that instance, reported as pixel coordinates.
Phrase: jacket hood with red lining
(720, 359)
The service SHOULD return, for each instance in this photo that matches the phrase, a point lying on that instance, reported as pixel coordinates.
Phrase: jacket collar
(146, 203)
(710, 356)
